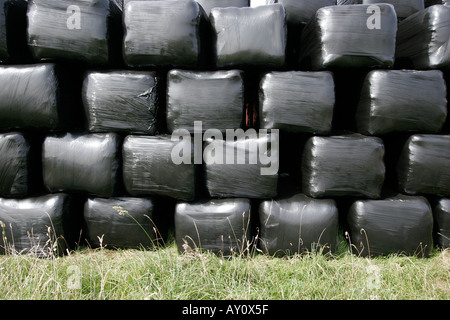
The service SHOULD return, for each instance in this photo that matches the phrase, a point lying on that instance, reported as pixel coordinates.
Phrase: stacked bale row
(135, 114)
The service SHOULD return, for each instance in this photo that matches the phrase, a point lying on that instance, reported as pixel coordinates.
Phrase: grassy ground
(164, 274)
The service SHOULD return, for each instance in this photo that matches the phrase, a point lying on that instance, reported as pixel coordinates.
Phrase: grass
(164, 274)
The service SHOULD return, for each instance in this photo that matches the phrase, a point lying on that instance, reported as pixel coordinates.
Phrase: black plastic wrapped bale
(15, 165)
(424, 165)
(35, 225)
(441, 214)
(214, 98)
(219, 226)
(403, 8)
(125, 223)
(423, 38)
(401, 101)
(348, 2)
(86, 163)
(297, 101)
(347, 165)
(401, 224)
(301, 11)
(150, 167)
(250, 37)
(164, 34)
(429, 3)
(207, 5)
(13, 32)
(350, 37)
(298, 224)
(243, 168)
(68, 30)
(32, 96)
(121, 101)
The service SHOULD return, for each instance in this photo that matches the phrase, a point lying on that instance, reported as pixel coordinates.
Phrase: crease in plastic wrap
(121, 101)
(298, 224)
(441, 214)
(348, 2)
(250, 37)
(424, 165)
(82, 163)
(164, 33)
(13, 32)
(207, 5)
(26, 224)
(401, 224)
(402, 100)
(214, 98)
(68, 30)
(31, 97)
(15, 173)
(243, 168)
(339, 37)
(403, 8)
(121, 222)
(297, 101)
(423, 38)
(149, 167)
(221, 226)
(346, 165)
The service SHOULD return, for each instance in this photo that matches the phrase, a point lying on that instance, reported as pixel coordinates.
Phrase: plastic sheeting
(340, 37)
(424, 165)
(297, 101)
(82, 163)
(214, 98)
(403, 8)
(347, 165)
(121, 101)
(121, 223)
(250, 37)
(150, 169)
(401, 224)
(298, 224)
(220, 226)
(72, 30)
(301, 11)
(31, 97)
(423, 38)
(348, 2)
(15, 175)
(35, 225)
(207, 5)
(402, 100)
(242, 168)
(441, 214)
(163, 33)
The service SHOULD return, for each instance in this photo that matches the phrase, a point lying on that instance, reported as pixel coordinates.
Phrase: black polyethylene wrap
(121, 101)
(35, 225)
(30, 97)
(424, 38)
(120, 222)
(162, 33)
(402, 100)
(229, 178)
(301, 11)
(402, 224)
(348, 2)
(297, 101)
(220, 226)
(253, 37)
(348, 165)
(298, 224)
(82, 163)
(14, 165)
(53, 32)
(215, 98)
(424, 165)
(339, 37)
(148, 168)
(441, 214)
(403, 8)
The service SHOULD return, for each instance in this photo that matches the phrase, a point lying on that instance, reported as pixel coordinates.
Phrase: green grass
(164, 274)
